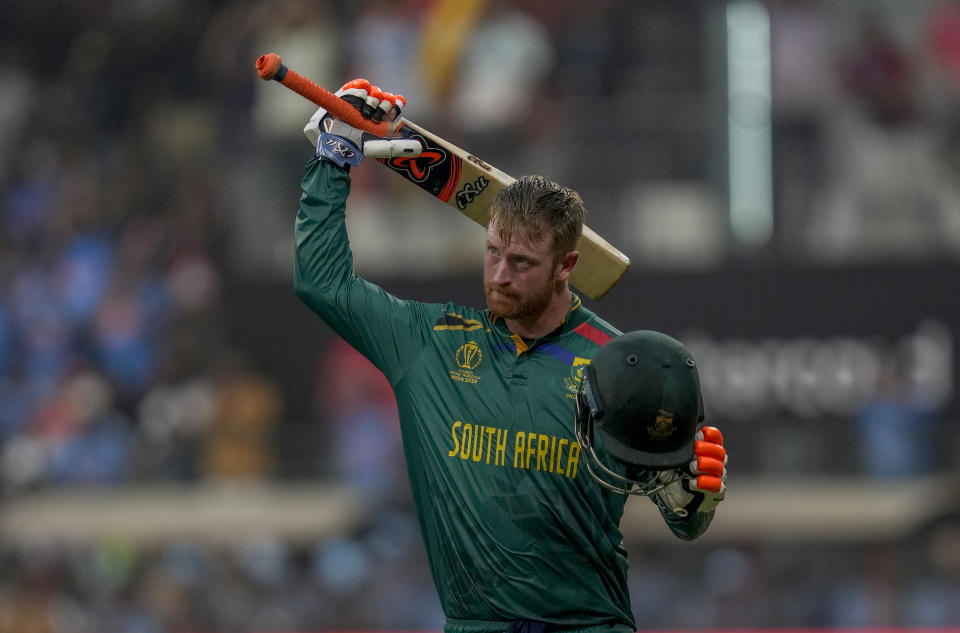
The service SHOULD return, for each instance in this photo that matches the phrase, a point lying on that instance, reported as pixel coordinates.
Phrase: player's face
(519, 276)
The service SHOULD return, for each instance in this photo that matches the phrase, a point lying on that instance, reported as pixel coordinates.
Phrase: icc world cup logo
(469, 355)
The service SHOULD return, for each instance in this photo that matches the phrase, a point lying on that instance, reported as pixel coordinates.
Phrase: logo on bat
(470, 191)
(435, 170)
(479, 163)
(418, 168)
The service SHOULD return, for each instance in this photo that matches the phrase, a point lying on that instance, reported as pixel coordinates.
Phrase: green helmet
(640, 404)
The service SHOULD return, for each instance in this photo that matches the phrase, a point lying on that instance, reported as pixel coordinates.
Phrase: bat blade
(470, 185)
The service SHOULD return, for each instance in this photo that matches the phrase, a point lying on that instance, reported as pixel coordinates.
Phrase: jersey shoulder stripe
(602, 325)
(592, 333)
(563, 355)
(453, 321)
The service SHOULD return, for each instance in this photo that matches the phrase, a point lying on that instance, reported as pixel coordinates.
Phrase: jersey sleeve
(389, 331)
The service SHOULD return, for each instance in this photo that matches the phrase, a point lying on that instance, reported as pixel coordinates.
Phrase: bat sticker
(470, 191)
(434, 170)
(479, 163)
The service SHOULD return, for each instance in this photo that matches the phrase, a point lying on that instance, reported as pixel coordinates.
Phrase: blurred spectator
(587, 56)
(382, 46)
(880, 75)
(17, 93)
(896, 428)
(304, 32)
(122, 342)
(357, 404)
(867, 597)
(933, 598)
(800, 88)
(174, 415)
(943, 36)
(247, 410)
(6, 338)
(447, 27)
(45, 336)
(505, 62)
(888, 192)
(89, 440)
(76, 436)
(943, 41)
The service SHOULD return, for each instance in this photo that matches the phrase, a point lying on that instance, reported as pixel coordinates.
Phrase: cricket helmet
(639, 404)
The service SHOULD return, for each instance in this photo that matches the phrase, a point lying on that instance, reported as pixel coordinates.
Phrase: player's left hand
(344, 144)
(702, 484)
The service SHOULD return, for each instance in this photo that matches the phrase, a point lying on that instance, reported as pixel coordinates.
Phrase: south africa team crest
(572, 382)
(468, 357)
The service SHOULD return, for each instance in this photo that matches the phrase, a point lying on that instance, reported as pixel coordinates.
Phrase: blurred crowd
(375, 579)
(369, 579)
(111, 262)
(139, 162)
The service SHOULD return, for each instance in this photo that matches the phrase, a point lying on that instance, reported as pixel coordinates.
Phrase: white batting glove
(700, 485)
(344, 144)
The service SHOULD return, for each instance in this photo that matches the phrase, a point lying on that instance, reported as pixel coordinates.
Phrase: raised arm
(387, 330)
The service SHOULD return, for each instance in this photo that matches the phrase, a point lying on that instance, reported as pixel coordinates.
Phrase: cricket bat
(453, 175)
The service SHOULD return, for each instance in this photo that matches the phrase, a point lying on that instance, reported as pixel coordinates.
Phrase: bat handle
(270, 66)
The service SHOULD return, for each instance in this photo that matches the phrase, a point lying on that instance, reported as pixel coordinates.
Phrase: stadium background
(183, 447)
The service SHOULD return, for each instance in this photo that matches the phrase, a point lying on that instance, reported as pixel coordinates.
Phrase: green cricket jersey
(514, 526)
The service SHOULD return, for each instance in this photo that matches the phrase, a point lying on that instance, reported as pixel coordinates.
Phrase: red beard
(509, 305)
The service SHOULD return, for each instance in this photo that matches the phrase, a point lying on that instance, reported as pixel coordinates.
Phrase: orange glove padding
(701, 485)
(710, 461)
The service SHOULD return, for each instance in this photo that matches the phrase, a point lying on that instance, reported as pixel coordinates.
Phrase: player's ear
(566, 264)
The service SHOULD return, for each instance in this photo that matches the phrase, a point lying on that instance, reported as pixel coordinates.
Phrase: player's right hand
(344, 144)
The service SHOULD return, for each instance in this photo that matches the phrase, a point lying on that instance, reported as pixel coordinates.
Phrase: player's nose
(500, 273)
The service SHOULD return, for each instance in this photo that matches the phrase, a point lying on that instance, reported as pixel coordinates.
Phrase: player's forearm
(323, 263)
(689, 528)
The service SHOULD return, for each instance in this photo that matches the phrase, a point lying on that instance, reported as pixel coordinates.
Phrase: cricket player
(519, 534)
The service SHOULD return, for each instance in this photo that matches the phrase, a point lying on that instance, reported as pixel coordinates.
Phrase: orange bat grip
(270, 66)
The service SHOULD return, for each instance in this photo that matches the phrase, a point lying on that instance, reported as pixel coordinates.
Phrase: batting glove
(344, 144)
(700, 485)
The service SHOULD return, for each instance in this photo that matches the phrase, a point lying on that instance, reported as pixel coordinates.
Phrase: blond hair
(533, 207)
